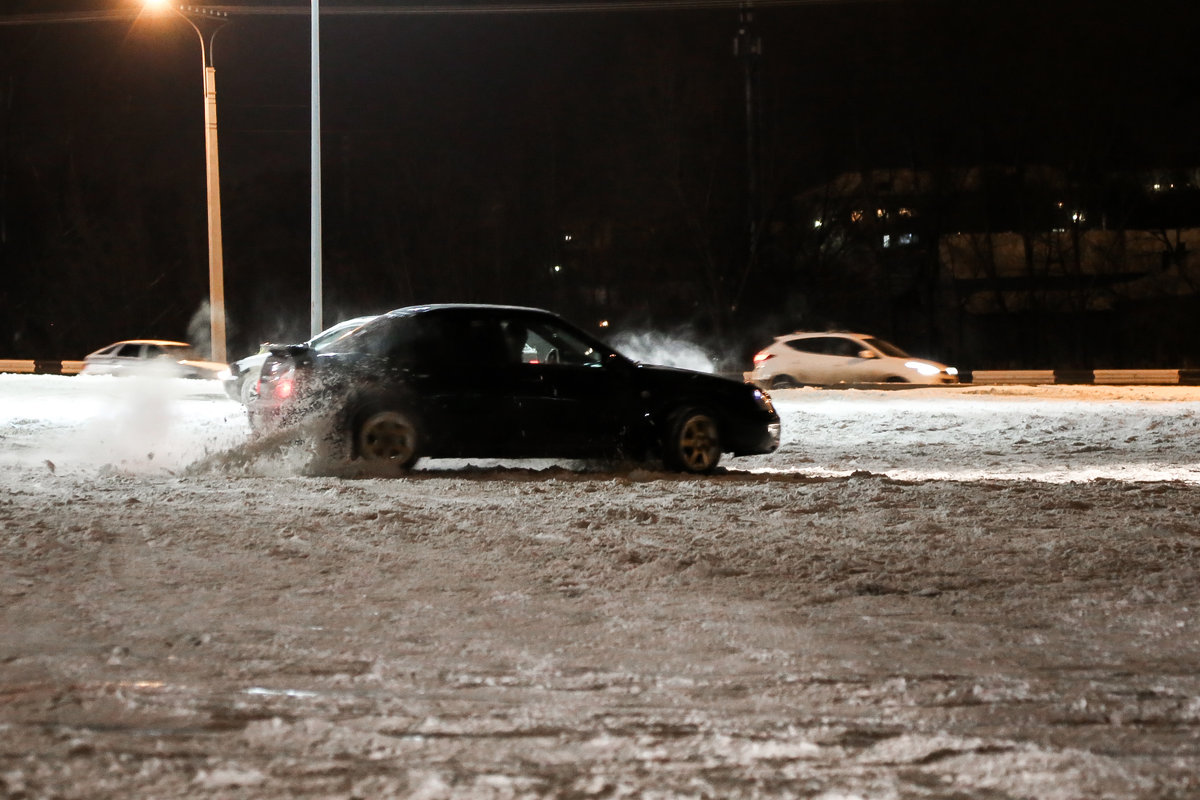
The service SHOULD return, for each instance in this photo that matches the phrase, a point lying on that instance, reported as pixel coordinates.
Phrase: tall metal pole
(748, 47)
(216, 256)
(316, 302)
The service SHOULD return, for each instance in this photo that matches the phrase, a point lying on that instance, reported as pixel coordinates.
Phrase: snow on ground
(926, 593)
(1048, 433)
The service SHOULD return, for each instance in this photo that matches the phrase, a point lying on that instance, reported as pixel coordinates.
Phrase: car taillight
(762, 356)
(277, 381)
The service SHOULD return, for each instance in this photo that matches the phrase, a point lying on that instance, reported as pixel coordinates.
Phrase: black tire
(784, 382)
(387, 439)
(692, 442)
(896, 379)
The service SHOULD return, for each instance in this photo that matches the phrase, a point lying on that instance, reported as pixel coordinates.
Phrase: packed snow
(925, 593)
(1047, 433)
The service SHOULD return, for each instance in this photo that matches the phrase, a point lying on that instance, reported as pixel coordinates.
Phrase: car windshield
(376, 337)
(887, 348)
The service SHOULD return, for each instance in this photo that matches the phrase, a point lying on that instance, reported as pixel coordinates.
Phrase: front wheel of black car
(387, 438)
(693, 441)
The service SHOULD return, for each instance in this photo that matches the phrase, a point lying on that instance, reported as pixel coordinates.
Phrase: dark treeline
(605, 165)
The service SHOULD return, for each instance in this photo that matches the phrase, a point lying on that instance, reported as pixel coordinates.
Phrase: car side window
(520, 343)
(131, 351)
(811, 345)
(543, 342)
(477, 342)
(846, 348)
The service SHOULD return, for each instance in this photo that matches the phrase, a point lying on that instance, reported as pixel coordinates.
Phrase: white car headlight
(922, 368)
(951, 370)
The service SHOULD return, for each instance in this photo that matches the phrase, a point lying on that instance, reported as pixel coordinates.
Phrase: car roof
(353, 321)
(166, 342)
(347, 323)
(440, 307)
(812, 334)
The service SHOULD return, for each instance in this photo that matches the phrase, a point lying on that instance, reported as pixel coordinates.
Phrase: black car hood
(653, 377)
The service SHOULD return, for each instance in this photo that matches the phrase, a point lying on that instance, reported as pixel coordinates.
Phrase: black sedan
(470, 381)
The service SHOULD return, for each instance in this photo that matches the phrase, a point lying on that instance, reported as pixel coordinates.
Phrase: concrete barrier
(12, 365)
(1098, 377)
(1001, 377)
(1138, 377)
(40, 367)
(1041, 377)
(982, 377)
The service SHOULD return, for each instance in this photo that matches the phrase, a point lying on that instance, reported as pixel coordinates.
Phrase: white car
(241, 376)
(154, 357)
(828, 359)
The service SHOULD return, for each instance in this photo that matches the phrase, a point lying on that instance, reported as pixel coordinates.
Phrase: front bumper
(756, 440)
(774, 430)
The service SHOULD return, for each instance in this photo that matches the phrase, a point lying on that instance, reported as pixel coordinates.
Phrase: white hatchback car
(153, 357)
(827, 359)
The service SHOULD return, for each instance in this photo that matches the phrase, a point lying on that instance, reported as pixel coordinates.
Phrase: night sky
(458, 147)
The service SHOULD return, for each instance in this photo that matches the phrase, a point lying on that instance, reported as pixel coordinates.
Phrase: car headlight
(763, 401)
(922, 368)
(951, 370)
(225, 375)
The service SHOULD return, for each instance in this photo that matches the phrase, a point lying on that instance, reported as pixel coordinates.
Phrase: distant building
(1012, 265)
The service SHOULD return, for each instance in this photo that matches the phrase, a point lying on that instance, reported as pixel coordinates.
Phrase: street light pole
(316, 301)
(206, 23)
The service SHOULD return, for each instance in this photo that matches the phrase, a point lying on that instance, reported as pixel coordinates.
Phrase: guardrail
(1097, 377)
(1041, 377)
(982, 377)
(39, 367)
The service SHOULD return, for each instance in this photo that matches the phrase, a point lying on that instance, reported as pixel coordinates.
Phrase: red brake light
(762, 356)
(284, 388)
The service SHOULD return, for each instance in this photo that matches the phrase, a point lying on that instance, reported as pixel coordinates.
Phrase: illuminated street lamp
(206, 23)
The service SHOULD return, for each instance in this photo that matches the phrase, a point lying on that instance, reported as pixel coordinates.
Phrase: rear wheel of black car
(693, 441)
(388, 438)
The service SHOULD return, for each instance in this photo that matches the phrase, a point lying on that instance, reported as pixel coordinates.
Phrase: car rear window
(383, 336)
